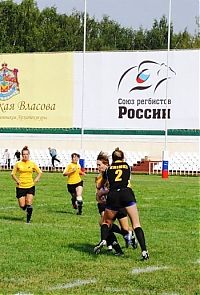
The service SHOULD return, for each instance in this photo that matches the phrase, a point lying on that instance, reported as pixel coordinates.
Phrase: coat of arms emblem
(9, 85)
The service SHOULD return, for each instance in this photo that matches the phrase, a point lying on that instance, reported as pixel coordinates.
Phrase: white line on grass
(21, 293)
(41, 205)
(148, 269)
(122, 290)
(6, 208)
(14, 207)
(73, 284)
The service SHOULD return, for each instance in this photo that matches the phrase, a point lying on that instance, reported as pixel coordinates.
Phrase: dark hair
(103, 157)
(117, 155)
(75, 154)
(25, 148)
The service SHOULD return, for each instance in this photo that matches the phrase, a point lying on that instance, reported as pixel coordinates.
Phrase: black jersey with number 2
(118, 175)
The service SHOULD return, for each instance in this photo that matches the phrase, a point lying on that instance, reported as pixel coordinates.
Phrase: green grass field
(54, 254)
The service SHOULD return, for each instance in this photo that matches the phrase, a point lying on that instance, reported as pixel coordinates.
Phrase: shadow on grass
(12, 218)
(88, 248)
(83, 247)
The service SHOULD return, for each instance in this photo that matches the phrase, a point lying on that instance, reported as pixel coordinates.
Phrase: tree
(8, 25)
(157, 37)
(27, 32)
(24, 28)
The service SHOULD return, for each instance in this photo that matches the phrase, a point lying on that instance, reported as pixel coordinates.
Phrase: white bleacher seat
(179, 163)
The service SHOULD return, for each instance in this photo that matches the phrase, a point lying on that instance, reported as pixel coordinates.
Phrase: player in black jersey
(101, 195)
(120, 196)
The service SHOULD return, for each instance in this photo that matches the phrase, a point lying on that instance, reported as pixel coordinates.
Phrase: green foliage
(24, 28)
(54, 253)
(157, 37)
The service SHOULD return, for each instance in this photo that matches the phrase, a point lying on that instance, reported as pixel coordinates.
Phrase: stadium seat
(179, 163)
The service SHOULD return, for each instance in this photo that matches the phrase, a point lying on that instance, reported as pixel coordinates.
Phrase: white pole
(165, 152)
(83, 74)
(168, 50)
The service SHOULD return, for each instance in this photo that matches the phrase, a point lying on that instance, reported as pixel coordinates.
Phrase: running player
(74, 182)
(102, 191)
(120, 196)
(22, 174)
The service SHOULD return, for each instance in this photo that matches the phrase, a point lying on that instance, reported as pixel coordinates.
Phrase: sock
(117, 247)
(29, 213)
(124, 232)
(115, 228)
(140, 237)
(80, 205)
(111, 238)
(73, 199)
(104, 232)
(24, 207)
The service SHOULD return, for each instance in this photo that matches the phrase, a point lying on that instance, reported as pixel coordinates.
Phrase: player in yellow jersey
(22, 174)
(74, 182)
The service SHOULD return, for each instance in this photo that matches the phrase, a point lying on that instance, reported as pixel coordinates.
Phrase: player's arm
(69, 170)
(101, 196)
(39, 173)
(82, 173)
(13, 174)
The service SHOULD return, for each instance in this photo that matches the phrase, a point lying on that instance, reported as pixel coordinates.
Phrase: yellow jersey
(25, 173)
(99, 180)
(74, 177)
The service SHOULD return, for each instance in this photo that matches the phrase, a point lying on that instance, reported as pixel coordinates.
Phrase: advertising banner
(121, 90)
(137, 90)
(36, 90)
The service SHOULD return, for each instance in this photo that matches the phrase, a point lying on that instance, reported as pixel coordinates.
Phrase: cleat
(127, 240)
(145, 255)
(134, 242)
(79, 213)
(97, 248)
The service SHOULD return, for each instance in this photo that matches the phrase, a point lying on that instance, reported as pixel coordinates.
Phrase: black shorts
(121, 198)
(72, 187)
(120, 214)
(101, 207)
(22, 192)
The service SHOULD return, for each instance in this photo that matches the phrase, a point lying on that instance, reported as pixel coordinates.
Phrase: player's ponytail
(117, 155)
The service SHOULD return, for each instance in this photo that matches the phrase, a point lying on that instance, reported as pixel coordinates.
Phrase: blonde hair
(117, 155)
(103, 157)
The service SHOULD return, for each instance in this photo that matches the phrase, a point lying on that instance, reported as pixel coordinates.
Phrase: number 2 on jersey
(119, 174)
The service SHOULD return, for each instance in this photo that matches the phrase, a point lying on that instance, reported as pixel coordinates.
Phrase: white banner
(127, 90)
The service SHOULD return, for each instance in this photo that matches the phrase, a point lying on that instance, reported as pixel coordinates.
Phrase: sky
(133, 13)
